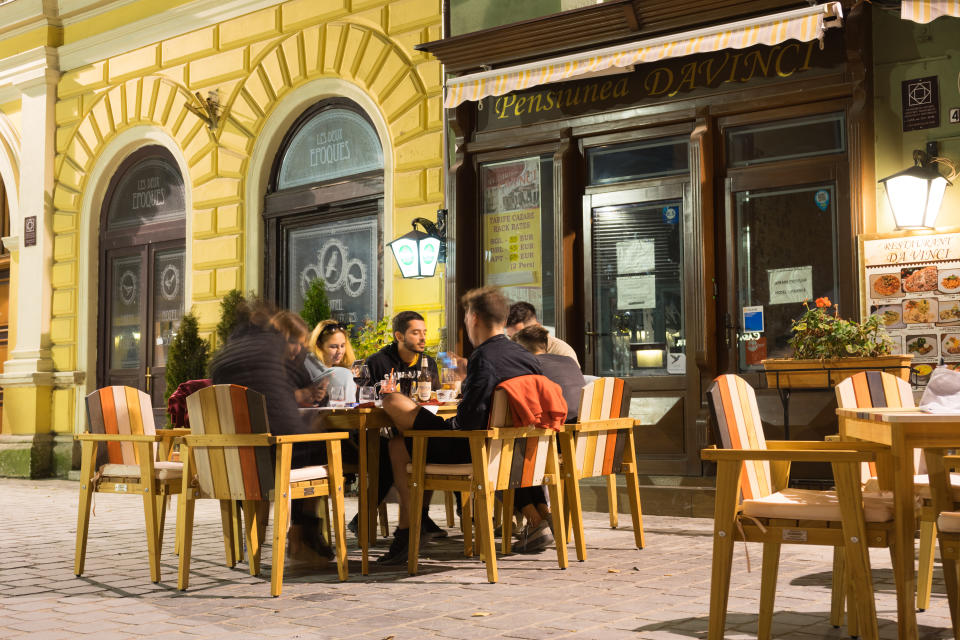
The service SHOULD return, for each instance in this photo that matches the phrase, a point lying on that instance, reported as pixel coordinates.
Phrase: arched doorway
(142, 272)
(323, 213)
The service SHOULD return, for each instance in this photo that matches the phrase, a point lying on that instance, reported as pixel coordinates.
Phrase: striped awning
(924, 11)
(804, 25)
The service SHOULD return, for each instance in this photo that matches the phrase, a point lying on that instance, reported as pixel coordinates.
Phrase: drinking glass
(337, 396)
(367, 394)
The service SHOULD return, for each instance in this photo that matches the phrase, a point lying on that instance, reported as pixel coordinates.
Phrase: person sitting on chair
(523, 315)
(494, 359)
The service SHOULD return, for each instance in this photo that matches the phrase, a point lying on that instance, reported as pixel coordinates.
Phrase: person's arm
(434, 373)
(473, 412)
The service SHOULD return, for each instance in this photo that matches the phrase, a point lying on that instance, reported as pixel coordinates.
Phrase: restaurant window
(785, 140)
(636, 160)
(518, 231)
(325, 211)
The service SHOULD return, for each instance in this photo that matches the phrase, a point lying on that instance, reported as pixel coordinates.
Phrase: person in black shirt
(404, 354)
(561, 369)
(494, 360)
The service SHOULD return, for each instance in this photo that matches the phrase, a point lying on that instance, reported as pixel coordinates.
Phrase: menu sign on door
(913, 284)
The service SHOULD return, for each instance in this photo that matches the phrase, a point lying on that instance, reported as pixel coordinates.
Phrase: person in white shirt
(523, 315)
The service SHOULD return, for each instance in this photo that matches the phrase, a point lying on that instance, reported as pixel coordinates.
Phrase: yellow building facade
(87, 88)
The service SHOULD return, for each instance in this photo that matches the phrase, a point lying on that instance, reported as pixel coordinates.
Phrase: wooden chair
(754, 505)
(230, 454)
(600, 444)
(502, 457)
(121, 419)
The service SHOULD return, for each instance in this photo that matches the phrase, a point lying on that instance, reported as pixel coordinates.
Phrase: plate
(920, 310)
(949, 312)
(890, 314)
(948, 280)
(885, 285)
(951, 344)
(923, 345)
(916, 279)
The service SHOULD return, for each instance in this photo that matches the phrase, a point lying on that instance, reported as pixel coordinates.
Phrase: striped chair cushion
(302, 474)
(161, 470)
(949, 522)
(237, 473)
(806, 504)
(734, 407)
(921, 486)
(119, 410)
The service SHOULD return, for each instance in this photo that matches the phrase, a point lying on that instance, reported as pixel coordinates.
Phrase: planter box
(799, 374)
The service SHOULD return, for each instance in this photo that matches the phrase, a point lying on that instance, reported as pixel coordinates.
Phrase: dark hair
(402, 320)
(533, 338)
(488, 304)
(290, 324)
(521, 312)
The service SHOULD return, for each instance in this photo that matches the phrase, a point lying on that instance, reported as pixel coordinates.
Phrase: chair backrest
(514, 461)
(225, 471)
(119, 410)
(877, 390)
(600, 453)
(733, 405)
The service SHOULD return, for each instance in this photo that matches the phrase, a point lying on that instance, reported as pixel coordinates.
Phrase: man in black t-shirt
(404, 354)
(494, 360)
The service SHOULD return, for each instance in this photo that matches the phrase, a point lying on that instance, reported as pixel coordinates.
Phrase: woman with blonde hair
(329, 343)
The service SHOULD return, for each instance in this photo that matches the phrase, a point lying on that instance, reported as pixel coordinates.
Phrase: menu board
(912, 282)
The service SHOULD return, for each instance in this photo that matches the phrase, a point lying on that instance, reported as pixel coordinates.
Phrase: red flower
(823, 302)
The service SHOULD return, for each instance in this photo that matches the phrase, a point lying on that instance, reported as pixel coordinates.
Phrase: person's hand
(320, 390)
(304, 396)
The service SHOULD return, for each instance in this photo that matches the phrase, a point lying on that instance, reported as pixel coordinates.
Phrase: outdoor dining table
(904, 430)
(367, 421)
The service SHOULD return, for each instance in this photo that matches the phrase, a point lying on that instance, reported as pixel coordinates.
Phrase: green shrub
(187, 358)
(228, 315)
(316, 307)
(371, 337)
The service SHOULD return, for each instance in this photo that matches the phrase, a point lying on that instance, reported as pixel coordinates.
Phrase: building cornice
(26, 68)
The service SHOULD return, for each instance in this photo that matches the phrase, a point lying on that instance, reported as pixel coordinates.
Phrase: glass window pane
(167, 301)
(518, 232)
(342, 253)
(638, 288)
(782, 140)
(335, 143)
(634, 160)
(150, 191)
(126, 306)
(787, 253)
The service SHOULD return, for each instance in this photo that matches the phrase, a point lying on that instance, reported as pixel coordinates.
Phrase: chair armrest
(604, 425)
(832, 445)
(310, 437)
(173, 433)
(794, 455)
(117, 437)
(440, 433)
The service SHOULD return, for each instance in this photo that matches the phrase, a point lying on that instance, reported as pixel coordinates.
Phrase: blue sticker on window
(753, 319)
(822, 199)
(671, 215)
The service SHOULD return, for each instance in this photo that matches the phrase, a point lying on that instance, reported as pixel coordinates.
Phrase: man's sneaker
(534, 538)
(354, 525)
(399, 549)
(430, 529)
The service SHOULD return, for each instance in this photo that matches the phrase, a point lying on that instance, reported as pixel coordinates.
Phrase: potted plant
(828, 349)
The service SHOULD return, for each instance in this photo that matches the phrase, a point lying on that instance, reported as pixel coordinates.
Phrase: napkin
(942, 394)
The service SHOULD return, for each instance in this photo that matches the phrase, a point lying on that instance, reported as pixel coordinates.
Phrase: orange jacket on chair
(535, 401)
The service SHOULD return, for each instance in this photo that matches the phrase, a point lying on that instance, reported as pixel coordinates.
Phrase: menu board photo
(912, 282)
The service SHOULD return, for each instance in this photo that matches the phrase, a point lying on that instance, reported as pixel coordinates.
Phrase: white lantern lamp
(418, 252)
(915, 194)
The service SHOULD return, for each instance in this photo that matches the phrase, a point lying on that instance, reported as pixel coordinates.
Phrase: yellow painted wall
(254, 61)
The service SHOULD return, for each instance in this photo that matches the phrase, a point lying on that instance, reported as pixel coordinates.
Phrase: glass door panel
(637, 258)
(786, 253)
(166, 314)
(126, 329)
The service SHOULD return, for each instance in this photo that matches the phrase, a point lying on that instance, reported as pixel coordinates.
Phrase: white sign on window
(794, 284)
(636, 292)
(635, 256)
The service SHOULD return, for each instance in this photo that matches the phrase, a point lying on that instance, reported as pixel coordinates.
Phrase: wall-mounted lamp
(418, 252)
(915, 194)
(209, 109)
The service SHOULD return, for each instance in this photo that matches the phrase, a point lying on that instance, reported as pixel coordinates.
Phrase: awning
(924, 11)
(804, 24)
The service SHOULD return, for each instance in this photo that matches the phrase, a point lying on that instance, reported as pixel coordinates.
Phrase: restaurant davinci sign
(653, 82)
(895, 251)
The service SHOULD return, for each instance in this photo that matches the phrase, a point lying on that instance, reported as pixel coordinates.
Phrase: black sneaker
(313, 538)
(354, 525)
(399, 549)
(430, 529)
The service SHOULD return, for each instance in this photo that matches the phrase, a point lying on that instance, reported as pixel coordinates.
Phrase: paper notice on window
(790, 285)
(636, 292)
(635, 256)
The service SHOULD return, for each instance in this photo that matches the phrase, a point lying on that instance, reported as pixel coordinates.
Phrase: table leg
(362, 499)
(904, 530)
(373, 471)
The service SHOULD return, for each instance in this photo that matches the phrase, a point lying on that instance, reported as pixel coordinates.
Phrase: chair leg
(612, 500)
(417, 488)
(555, 490)
(466, 523)
(335, 475)
(185, 527)
(226, 519)
(506, 522)
(150, 515)
(237, 522)
(251, 532)
(850, 499)
(89, 456)
(728, 489)
(448, 503)
(853, 617)
(181, 502)
(633, 491)
(768, 588)
(838, 588)
(928, 538)
(573, 508)
(484, 503)
(384, 522)
(951, 579)
(162, 502)
(281, 512)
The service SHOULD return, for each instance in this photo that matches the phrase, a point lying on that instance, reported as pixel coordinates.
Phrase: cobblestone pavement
(620, 592)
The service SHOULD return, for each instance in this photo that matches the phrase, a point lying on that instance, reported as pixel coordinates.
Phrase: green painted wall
(905, 50)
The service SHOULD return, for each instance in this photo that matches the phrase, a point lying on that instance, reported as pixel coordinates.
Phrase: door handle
(732, 330)
(148, 378)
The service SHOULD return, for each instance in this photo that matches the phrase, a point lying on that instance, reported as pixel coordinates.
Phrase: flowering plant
(819, 335)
